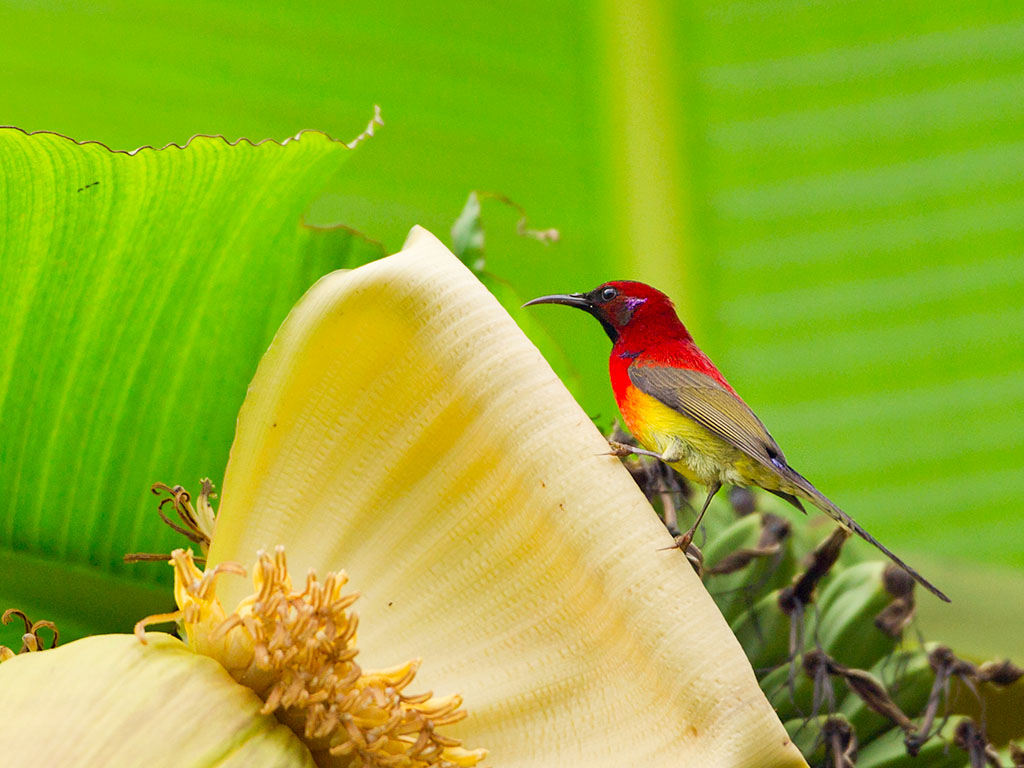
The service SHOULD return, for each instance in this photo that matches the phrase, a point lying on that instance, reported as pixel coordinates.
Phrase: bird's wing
(702, 399)
(705, 401)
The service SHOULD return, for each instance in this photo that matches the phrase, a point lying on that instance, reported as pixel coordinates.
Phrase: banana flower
(476, 581)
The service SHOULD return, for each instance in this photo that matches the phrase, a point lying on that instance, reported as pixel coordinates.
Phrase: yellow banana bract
(402, 428)
(111, 701)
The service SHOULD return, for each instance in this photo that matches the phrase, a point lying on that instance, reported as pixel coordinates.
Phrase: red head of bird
(641, 322)
(627, 310)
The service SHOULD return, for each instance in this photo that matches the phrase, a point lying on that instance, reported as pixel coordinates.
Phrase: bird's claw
(619, 449)
(683, 542)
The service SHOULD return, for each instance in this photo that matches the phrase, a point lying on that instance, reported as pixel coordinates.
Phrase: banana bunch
(825, 632)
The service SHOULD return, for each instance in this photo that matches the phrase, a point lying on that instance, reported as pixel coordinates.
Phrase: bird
(683, 411)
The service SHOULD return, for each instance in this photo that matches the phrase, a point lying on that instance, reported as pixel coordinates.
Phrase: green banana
(820, 738)
(807, 736)
(843, 619)
(1012, 755)
(845, 627)
(889, 751)
(765, 630)
(790, 699)
(742, 532)
(908, 676)
(796, 698)
(750, 557)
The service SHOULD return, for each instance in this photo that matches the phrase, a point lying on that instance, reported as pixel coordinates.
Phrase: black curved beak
(580, 301)
(577, 300)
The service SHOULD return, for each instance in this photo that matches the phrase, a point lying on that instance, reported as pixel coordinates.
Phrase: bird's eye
(608, 294)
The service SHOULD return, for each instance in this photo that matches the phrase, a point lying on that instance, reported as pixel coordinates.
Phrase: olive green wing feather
(702, 399)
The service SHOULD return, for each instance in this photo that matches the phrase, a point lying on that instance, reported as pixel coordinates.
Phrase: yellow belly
(707, 458)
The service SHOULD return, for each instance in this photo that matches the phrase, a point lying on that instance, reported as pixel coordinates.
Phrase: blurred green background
(833, 192)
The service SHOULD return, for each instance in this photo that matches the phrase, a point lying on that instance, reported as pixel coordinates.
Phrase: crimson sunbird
(680, 408)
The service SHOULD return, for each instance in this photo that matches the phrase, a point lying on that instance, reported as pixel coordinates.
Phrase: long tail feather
(822, 502)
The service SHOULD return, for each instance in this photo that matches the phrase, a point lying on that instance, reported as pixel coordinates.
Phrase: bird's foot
(620, 449)
(693, 554)
(682, 541)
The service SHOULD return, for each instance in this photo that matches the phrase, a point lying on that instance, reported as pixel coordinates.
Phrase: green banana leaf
(139, 292)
